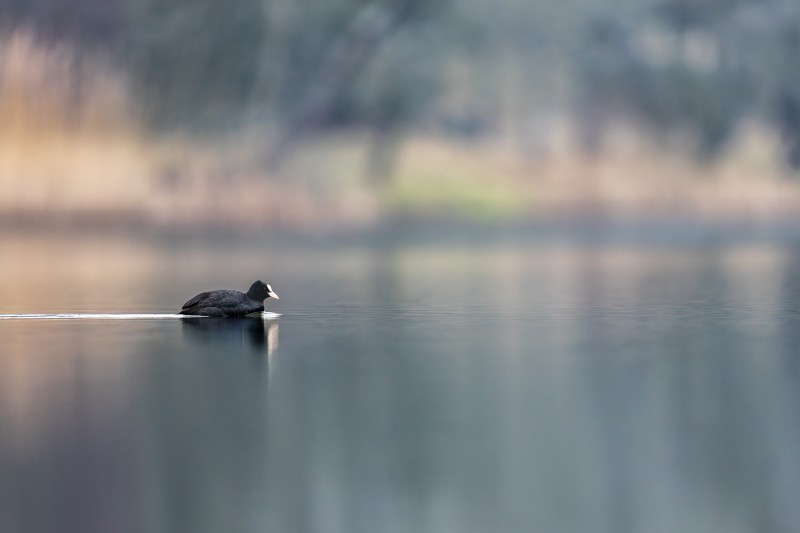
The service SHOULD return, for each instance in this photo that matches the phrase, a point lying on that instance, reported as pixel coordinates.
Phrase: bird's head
(260, 291)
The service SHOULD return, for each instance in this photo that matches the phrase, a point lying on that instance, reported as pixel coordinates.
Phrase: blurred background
(537, 263)
(350, 114)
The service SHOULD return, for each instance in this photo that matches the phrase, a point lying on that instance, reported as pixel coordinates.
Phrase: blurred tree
(94, 23)
(464, 68)
(785, 102)
(195, 62)
(685, 15)
(676, 70)
(327, 94)
(396, 90)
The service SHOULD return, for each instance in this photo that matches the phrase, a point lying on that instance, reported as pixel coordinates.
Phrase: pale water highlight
(111, 316)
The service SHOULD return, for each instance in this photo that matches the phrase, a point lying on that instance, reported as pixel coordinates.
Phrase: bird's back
(223, 301)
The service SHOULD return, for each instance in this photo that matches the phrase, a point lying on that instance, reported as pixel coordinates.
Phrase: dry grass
(71, 149)
(68, 142)
(51, 90)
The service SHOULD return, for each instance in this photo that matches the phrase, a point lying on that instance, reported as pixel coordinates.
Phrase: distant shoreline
(684, 231)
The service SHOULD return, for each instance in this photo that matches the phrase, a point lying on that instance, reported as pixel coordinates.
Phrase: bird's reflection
(252, 334)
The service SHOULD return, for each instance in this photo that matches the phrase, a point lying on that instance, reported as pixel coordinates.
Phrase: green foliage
(469, 195)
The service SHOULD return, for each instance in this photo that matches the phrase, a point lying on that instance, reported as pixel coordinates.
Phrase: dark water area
(426, 388)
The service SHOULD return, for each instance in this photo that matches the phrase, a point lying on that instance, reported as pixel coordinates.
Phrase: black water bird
(227, 302)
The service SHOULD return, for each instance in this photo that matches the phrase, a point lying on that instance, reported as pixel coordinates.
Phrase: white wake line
(111, 316)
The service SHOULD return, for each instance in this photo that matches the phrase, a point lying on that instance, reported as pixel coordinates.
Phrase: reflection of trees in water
(365, 415)
(786, 420)
(648, 389)
(161, 434)
(204, 424)
(689, 398)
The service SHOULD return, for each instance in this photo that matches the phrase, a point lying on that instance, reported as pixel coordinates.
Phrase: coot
(227, 302)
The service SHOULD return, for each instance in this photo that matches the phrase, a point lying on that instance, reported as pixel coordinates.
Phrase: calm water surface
(422, 388)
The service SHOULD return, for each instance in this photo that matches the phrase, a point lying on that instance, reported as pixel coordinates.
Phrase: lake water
(428, 387)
